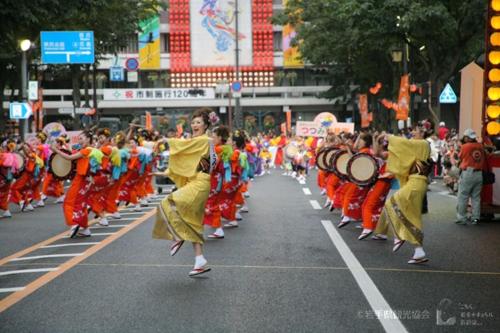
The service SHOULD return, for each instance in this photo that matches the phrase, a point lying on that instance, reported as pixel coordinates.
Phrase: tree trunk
(3, 114)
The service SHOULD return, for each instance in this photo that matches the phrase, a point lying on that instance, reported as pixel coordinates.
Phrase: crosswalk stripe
(47, 256)
(25, 271)
(69, 244)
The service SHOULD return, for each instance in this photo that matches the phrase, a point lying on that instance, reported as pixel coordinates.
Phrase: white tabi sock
(419, 252)
(200, 261)
(219, 232)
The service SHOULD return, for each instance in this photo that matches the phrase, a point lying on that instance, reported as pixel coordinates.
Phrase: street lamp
(25, 45)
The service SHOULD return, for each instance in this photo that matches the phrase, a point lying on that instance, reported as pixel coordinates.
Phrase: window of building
(165, 43)
(132, 45)
(278, 41)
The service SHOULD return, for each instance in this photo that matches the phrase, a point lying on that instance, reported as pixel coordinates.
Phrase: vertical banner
(366, 117)
(180, 130)
(149, 121)
(291, 54)
(283, 128)
(149, 43)
(289, 121)
(403, 106)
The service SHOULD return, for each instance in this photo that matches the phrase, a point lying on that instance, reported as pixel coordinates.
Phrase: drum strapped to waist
(362, 169)
(339, 162)
(21, 163)
(60, 167)
(324, 158)
(291, 151)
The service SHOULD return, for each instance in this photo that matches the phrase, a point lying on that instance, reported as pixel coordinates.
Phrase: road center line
(315, 204)
(307, 191)
(391, 323)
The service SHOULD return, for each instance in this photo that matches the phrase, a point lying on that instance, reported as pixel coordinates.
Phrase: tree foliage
(354, 38)
(113, 23)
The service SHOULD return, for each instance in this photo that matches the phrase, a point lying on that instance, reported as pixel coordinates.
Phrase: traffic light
(492, 70)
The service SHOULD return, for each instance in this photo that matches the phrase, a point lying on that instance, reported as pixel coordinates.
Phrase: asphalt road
(279, 271)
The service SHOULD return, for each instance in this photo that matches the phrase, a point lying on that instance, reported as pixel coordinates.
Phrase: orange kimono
(101, 182)
(375, 200)
(76, 200)
(231, 195)
(212, 207)
(128, 191)
(354, 197)
(26, 187)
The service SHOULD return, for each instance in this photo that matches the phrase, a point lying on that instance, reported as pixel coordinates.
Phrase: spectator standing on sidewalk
(472, 160)
(442, 131)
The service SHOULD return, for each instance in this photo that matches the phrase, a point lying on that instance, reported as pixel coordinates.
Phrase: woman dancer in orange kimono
(355, 194)
(53, 187)
(25, 188)
(128, 191)
(375, 199)
(76, 200)
(102, 179)
(8, 166)
(219, 177)
(119, 169)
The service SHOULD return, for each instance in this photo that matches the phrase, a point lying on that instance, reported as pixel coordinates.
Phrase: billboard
(213, 33)
(149, 43)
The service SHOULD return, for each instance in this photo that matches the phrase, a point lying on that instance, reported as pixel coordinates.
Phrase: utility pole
(24, 78)
(238, 116)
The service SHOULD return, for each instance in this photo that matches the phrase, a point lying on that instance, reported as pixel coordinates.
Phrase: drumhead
(328, 158)
(291, 151)
(339, 161)
(60, 167)
(362, 169)
(320, 159)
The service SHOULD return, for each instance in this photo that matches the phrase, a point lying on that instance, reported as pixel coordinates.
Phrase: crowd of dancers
(212, 171)
(398, 163)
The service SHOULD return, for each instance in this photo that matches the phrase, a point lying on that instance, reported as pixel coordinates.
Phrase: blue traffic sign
(19, 110)
(448, 96)
(67, 47)
(132, 64)
(116, 74)
(236, 86)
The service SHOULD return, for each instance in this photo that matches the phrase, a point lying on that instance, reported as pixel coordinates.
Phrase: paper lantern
(494, 93)
(493, 128)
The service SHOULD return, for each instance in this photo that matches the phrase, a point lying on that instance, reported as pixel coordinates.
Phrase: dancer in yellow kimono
(180, 215)
(402, 214)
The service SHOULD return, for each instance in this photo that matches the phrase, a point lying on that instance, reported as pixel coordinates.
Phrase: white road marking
(47, 256)
(69, 244)
(109, 226)
(315, 204)
(24, 271)
(132, 210)
(10, 290)
(96, 234)
(302, 182)
(122, 219)
(132, 213)
(390, 322)
(307, 191)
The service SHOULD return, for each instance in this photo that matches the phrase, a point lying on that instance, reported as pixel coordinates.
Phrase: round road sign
(131, 64)
(236, 86)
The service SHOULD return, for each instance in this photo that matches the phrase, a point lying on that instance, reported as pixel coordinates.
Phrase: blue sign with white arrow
(116, 73)
(67, 47)
(19, 110)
